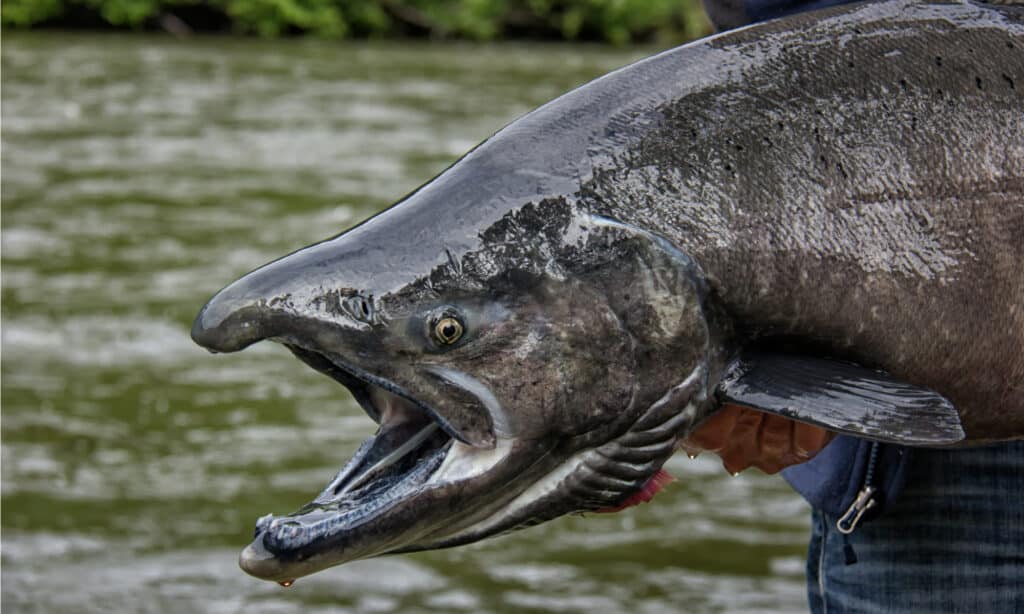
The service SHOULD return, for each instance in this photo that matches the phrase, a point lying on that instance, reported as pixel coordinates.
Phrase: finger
(775, 438)
(692, 450)
(776, 435)
(742, 447)
(735, 462)
(714, 433)
(808, 440)
(770, 466)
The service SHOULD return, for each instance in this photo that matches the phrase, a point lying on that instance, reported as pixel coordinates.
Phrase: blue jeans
(952, 542)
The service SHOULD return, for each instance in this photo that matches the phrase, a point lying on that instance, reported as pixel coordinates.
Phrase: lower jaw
(325, 527)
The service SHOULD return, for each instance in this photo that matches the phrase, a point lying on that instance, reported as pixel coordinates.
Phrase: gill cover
(651, 292)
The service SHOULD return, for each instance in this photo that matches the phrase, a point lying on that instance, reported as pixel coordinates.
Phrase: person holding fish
(802, 227)
(894, 529)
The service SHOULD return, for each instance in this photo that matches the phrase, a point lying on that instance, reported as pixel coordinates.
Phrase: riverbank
(612, 21)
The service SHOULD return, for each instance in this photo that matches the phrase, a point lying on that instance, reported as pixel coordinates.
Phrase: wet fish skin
(873, 207)
(847, 183)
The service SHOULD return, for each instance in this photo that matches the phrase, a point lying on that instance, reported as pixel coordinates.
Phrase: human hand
(745, 437)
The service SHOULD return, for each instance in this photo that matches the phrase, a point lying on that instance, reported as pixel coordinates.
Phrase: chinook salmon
(820, 217)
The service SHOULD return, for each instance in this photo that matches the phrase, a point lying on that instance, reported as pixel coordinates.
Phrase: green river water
(140, 174)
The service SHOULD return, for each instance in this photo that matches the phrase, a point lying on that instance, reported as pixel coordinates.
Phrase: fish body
(820, 216)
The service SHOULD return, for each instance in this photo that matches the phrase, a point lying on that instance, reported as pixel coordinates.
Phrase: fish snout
(233, 320)
(294, 297)
(259, 562)
(236, 318)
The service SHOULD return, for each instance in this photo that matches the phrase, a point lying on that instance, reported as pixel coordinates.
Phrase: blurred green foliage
(614, 21)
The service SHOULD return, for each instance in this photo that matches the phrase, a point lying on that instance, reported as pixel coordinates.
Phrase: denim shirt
(833, 479)
(728, 14)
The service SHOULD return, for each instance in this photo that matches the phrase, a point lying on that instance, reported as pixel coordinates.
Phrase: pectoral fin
(841, 396)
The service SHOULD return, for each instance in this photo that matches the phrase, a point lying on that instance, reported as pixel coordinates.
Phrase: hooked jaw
(377, 484)
(371, 505)
(448, 464)
(416, 484)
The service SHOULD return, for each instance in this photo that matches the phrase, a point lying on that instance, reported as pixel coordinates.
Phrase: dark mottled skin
(874, 205)
(846, 183)
(853, 177)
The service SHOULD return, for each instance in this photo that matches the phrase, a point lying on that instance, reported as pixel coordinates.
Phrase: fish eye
(448, 329)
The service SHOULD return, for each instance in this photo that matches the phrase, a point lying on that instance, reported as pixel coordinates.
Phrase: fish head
(545, 367)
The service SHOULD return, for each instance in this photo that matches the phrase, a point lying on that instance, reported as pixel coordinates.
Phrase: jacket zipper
(865, 499)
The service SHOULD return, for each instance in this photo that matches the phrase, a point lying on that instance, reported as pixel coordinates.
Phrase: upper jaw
(361, 382)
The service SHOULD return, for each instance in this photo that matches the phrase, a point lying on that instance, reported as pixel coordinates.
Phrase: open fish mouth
(392, 466)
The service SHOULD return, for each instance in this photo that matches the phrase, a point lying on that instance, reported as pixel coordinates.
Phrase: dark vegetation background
(613, 21)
